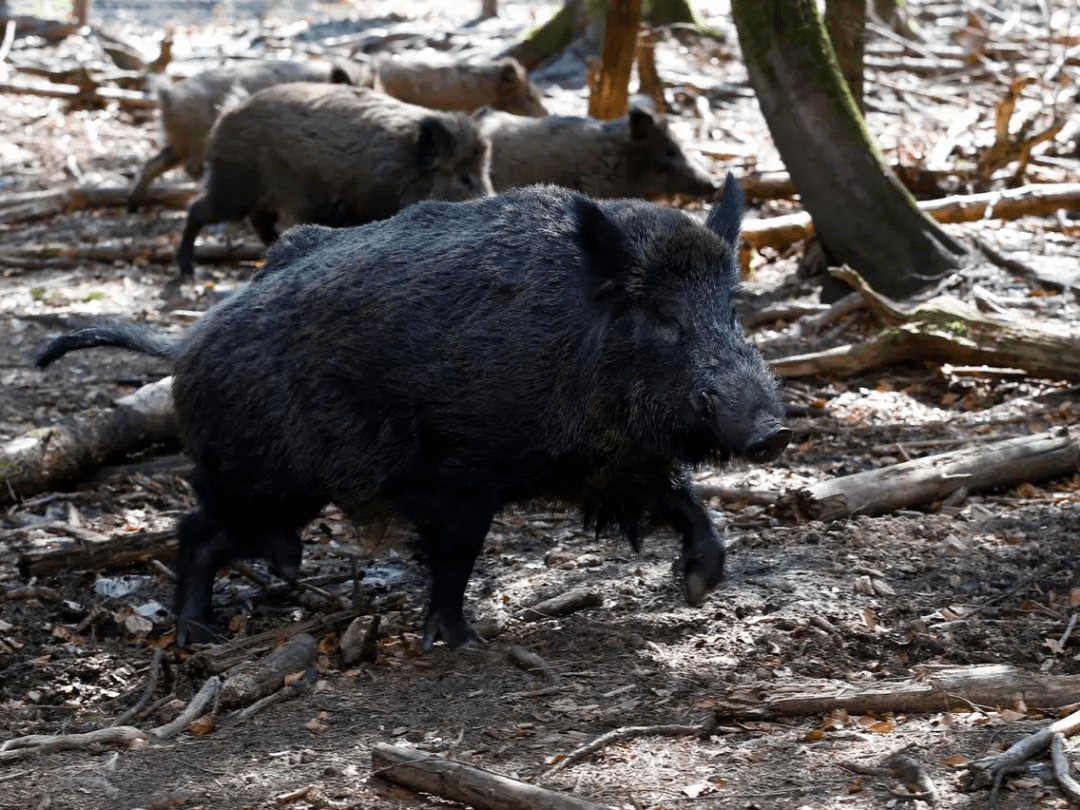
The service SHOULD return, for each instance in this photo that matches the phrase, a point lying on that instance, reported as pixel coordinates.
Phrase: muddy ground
(990, 580)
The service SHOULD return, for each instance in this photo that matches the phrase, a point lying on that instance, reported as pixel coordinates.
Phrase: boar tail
(132, 335)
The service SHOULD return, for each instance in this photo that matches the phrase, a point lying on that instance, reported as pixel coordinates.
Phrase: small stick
(1068, 631)
(532, 662)
(619, 734)
(206, 695)
(148, 692)
(1068, 785)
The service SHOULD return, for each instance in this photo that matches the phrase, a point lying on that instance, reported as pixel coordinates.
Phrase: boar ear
(642, 122)
(509, 75)
(339, 74)
(602, 241)
(726, 214)
(433, 142)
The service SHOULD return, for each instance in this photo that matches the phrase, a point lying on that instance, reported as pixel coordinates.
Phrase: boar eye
(466, 181)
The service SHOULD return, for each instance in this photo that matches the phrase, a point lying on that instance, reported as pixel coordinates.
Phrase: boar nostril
(770, 447)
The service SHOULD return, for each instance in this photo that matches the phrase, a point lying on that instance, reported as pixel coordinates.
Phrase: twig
(148, 692)
(207, 694)
(283, 694)
(533, 663)
(619, 734)
(1068, 631)
(1068, 785)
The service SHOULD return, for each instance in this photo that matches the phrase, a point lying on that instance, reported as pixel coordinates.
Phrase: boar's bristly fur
(334, 155)
(460, 357)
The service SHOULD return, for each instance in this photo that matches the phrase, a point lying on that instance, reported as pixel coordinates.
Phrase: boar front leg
(702, 560)
(452, 527)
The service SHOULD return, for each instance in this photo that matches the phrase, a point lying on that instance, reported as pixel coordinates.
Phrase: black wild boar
(631, 156)
(333, 155)
(189, 108)
(443, 85)
(457, 358)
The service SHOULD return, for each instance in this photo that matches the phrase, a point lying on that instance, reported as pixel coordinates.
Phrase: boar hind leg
(155, 167)
(199, 214)
(204, 545)
(264, 222)
(702, 560)
(452, 530)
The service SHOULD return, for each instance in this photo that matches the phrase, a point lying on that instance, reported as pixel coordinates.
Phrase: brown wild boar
(466, 86)
(334, 155)
(631, 156)
(189, 108)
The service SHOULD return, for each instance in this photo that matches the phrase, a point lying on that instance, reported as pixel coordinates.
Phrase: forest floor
(990, 580)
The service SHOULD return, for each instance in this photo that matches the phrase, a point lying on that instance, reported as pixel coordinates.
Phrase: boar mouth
(760, 441)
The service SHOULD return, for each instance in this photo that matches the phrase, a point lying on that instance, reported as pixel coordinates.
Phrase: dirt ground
(993, 579)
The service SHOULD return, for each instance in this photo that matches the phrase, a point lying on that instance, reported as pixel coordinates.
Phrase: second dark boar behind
(334, 155)
(457, 358)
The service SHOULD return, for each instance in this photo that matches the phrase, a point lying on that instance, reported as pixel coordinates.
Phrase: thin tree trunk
(846, 22)
(863, 215)
(620, 43)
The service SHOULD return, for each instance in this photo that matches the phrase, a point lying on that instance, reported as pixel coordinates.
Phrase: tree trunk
(620, 44)
(864, 217)
(666, 12)
(81, 11)
(489, 9)
(846, 21)
(551, 37)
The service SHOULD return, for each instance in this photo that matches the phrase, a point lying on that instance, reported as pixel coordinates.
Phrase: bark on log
(29, 255)
(119, 552)
(223, 657)
(996, 685)
(942, 330)
(923, 480)
(466, 784)
(252, 680)
(561, 605)
(49, 456)
(99, 95)
(30, 206)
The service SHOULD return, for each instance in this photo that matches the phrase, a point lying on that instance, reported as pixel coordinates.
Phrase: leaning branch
(942, 330)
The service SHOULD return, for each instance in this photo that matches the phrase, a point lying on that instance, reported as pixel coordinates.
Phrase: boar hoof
(699, 577)
(454, 630)
(193, 631)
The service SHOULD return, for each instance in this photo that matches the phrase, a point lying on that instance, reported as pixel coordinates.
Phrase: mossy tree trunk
(620, 45)
(846, 23)
(863, 216)
(576, 16)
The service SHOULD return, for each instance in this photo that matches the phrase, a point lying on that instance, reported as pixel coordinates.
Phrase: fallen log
(48, 456)
(116, 553)
(469, 785)
(30, 256)
(942, 330)
(931, 478)
(939, 690)
(30, 206)
(561, 605)
(252, 680)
